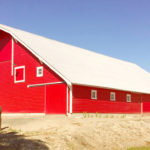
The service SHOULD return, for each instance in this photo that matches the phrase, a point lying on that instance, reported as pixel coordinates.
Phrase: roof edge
(39, 57)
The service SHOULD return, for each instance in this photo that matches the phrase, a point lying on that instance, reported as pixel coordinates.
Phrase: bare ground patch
(75, 133)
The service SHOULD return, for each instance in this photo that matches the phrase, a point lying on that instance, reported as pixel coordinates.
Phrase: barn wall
(146, 103)
(5, 47)
(56, 96)
(82, 101)
(16, 97)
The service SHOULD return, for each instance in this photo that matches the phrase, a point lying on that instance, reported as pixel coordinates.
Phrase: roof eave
(39, 57)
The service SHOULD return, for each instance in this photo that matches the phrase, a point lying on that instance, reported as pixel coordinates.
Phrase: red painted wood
(82, 101)
(16, 97)
(146, 103)
(56, 98)
(5, 46)
(146, 107)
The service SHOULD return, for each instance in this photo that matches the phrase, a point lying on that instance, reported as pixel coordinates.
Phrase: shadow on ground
(15, 141)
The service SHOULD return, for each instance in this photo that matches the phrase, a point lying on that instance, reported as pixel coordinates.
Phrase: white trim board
(43, 84)
(71, 100)
(19, 67)
(12, 56)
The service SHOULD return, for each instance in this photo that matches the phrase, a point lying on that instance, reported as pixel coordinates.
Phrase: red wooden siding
(56, 99)
(82, 101)
(146, 103)
(5, 47)
(16, 97)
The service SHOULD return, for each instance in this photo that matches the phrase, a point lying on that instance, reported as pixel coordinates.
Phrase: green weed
(139, 148)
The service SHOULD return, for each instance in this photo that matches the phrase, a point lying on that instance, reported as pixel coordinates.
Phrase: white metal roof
(84, 67)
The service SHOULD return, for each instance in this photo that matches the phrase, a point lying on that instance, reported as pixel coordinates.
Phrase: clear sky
(117, 28)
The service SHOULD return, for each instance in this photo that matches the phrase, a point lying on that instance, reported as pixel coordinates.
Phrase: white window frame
(128, 100)
(114, 96)
(20, 67)
(95, 94)
(37, 71)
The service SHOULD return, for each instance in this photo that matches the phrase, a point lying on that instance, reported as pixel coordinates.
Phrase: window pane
(112, 96)
(128, 98)
(39, 72)
(93, 94)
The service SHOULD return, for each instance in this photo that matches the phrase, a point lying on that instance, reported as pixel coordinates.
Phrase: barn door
(56, 99)
(19, 75)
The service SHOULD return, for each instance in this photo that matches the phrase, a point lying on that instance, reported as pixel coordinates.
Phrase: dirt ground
(77, 132)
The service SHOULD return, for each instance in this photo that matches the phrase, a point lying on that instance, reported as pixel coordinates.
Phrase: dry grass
(99, 132)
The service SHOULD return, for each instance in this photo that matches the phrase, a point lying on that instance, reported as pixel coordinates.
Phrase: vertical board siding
(16, 97)
(56, 99)
(82, 101)
(146, 103)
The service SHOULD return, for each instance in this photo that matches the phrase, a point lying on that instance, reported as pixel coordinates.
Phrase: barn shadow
(15, 141)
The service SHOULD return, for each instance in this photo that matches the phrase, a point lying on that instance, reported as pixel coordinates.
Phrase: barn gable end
(17, 97)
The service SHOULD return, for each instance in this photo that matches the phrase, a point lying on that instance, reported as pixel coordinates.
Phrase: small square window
(112, 96)
(93, 94)
(128, 97)
(19, 75)
(39, 72)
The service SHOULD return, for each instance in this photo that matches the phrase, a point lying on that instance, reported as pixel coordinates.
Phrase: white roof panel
(84, 67)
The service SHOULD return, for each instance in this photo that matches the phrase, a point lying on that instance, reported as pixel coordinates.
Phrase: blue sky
(117, 28)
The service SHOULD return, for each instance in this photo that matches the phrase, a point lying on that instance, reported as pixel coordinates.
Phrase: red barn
(40, 75)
